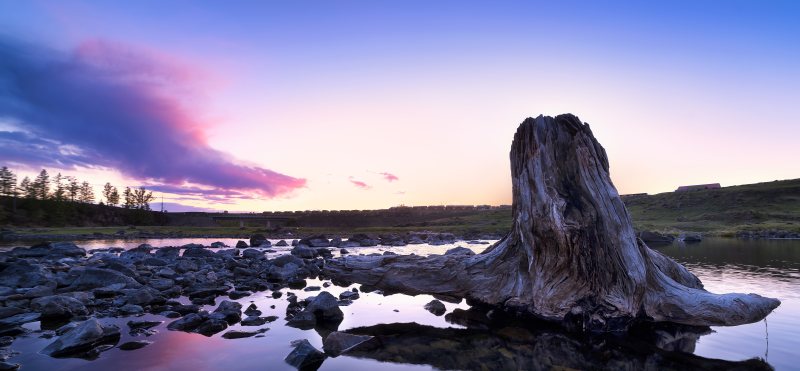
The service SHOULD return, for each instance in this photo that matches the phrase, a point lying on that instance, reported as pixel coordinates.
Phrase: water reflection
(516, 347)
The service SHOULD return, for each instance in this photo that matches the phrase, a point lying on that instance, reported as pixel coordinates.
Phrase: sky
(314, 105)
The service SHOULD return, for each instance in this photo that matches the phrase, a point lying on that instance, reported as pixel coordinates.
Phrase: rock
(92, 278)
(241, 244)
(238, 294)
(211, 326)
(231, 310)
(252, 254)
(133, 345)
(19, 319)
(6, 312)
(185, 309)
(82, 339)
(192, 246)
(237, 334)
(218, 245)
(343, 252)
(170, 314)
(349, 295)
(162, 284)
(198, 252)
(436, 307)
(168, 253)
(337, 342)
(305, 356)
(135, 325)
(253, 321)
(188, 323)
(281, 243)
(315, 241)
(55, 250)
(304, 320)
(5, 366)
(24, 274)
(655, 238)
(363, 240)
(326, 308)
(257, 239)
(283, 260)
(392, 240)
(140, 297)
(252, 310)
(414, 239)
(312, 288)
(131, 309)
(335, 242)
(295, 242)
(303, 252)
(692, 238)
(458, 250)
(154, 262)
(59, 307)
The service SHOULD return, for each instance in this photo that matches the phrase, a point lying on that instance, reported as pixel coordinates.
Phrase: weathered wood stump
(572, 255)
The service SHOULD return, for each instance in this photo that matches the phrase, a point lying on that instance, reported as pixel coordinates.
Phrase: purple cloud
(104, 105)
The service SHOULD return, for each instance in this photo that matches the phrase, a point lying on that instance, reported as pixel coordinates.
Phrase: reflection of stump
(571, 255)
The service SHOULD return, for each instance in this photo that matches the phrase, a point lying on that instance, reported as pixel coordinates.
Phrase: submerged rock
(436, 307)
(337, 342)
(133, 345)
(305, 355)
(237, 334)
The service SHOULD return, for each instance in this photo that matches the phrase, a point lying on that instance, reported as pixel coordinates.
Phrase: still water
(414, 339)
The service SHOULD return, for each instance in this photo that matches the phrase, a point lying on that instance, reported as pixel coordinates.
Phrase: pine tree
(8, 182)
(113, 198)
(60, 191)
(27, 189)
(41, 185)
(73, 188)
(107, 192)
(86, 193)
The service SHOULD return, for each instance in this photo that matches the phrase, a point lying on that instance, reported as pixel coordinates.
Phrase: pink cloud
(359, 183)
(389, 177)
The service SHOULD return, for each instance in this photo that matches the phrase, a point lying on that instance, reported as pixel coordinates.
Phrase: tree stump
(572, 255)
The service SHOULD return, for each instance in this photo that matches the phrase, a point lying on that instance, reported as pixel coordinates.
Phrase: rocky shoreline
(68, 289)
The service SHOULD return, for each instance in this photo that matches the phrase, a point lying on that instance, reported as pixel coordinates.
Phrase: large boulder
(257, 240)
(82, 338)
(231, 310)
(241, 244)
(325, 308)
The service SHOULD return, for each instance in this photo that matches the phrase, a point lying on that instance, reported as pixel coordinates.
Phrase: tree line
(69, 189)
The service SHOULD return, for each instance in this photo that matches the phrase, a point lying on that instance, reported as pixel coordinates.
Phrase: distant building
(698, 187)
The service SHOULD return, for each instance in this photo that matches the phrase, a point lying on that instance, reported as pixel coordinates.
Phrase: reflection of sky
(432, 92)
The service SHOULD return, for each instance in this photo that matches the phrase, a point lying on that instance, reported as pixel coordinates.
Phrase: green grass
(721, 212)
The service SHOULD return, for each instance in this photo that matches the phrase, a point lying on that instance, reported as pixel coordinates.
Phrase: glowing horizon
(359, 105)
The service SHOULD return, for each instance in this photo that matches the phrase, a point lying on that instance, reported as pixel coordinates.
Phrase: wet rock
(315, 241)
(218, 245)
(305, 356)
(326, 308)
(335, 242)
(692, 238)
(237, 334)
(312, 288)
(188, 323)
(6, 312)
(170, 314)
(92, 278)
(257, 239)
(349, 295)
(5, 366)
(154, 262)
(131, 309)
(343, 251)
(58, 307)
(304, 320)
(252, 254)
(303, 251)
(82, 339)
(239, 294)
(198, 252)
(252, 310)
(253, 321)
(185, 265)
(19, 319)
(363, 240)
(133, 345)
(24, 274)
(231, 310)
(655, 238)
(458, 250)
(211, 326)
(281, 243)
(337, 343)
(162, 284)
(185, 309)
(436, 307)
(414, 239)
(55, 250)
(241, 244)
(168, 253)
(141, 297)
(135, 325)
(440, 239)
(392, 240)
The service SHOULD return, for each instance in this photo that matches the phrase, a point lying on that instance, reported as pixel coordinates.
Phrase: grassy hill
(724, 212)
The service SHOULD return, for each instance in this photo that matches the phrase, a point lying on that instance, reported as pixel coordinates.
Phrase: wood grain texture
(572, 254)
